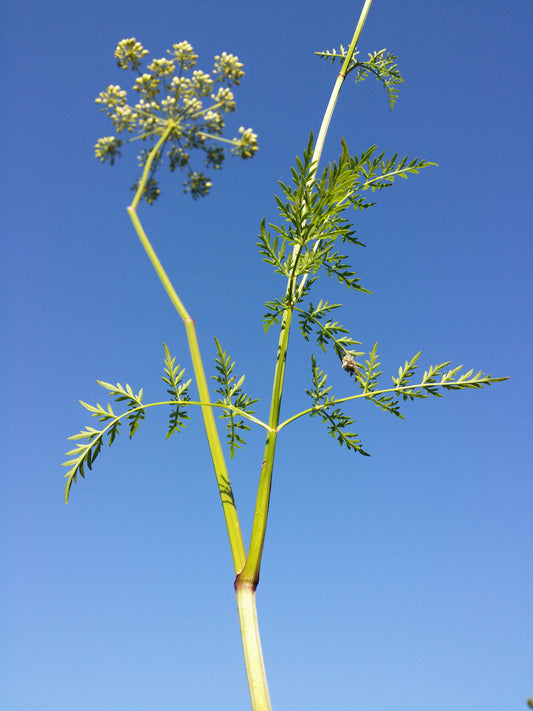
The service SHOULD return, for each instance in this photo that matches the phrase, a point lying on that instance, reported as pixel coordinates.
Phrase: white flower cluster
(173, 104)
(247, 144)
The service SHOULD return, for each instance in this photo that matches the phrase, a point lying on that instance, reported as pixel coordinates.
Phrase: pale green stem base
(253, 655)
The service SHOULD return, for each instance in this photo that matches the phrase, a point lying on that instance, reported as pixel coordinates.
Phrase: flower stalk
(224, 486)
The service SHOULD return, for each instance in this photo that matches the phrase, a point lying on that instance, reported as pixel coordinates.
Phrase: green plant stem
(338, 84)
(247, 580)
(238, 551)
(250, 573)
(319, 145)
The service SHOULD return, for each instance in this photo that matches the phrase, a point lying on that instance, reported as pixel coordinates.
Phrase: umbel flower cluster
(187, 109)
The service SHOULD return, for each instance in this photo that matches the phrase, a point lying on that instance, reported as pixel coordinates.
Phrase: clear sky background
(401, 581)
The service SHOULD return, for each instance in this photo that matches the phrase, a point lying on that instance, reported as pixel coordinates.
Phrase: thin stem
(151, 156)
(338, 84)
(250, 573)
(238, 551)
(319, 145)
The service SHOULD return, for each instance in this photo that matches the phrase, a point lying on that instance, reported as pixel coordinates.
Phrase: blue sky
(397, 581)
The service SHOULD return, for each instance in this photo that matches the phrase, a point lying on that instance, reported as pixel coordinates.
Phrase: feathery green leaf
(336, 420)
(230, 391)
(85, 454)
(178, 391)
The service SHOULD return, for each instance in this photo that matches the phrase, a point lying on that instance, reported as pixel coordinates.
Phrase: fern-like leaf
(335, 55)
(383, 66)
(435, 380)
(178, 391)
(274, 312)
(85, 453)
(330, 332)
(230, 391)
(336, 420)
(121, 394)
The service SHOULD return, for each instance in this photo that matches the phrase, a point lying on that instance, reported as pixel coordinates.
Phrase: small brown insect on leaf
(349, 364)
